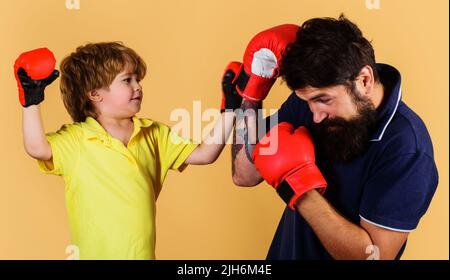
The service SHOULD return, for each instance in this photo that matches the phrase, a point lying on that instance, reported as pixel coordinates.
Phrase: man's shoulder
(295, 111)
(408, 133)
(294, 100)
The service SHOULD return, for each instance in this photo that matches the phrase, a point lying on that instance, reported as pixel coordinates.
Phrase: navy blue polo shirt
(390, 185)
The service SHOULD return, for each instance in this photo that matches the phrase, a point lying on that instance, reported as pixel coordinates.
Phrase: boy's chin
(131, 114)
(136, 109)
(134, 113)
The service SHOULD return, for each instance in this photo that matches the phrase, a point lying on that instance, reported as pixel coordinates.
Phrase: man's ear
(366, 80)
(95, 96)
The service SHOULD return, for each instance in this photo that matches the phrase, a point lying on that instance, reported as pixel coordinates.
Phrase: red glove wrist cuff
(299, 182)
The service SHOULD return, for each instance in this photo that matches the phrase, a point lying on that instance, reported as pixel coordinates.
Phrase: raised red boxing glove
(34, 70)
(262, 59)
(231, 99)
(285, 159)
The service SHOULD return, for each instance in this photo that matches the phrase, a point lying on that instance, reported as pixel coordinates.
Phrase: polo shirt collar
(390, 105)
(139, 124)
(93, 129)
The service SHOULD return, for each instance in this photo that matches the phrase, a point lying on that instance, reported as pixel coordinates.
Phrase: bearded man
(353, 163)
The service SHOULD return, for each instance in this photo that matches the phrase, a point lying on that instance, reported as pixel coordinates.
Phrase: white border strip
(385, 227)
(395, 110)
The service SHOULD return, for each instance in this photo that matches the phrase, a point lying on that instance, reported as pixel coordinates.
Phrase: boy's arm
(245, 136)
(34, 70)
(34, 140)
(211, 147)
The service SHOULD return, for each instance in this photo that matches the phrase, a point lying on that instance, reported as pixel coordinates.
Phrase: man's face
(343, 121)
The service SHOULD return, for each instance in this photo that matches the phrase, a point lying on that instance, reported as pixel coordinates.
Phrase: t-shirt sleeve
(399, 192)
(173, 149)
(65, 151)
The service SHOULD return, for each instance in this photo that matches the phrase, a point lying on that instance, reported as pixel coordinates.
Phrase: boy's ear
(95, 96)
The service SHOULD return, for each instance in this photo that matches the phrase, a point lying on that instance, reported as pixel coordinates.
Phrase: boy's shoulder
(85, 129)
(72, 128)
(90, 128)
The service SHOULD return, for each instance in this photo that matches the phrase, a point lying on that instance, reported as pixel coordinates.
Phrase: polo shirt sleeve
(65, 145)
(173, 149)
(399, 191)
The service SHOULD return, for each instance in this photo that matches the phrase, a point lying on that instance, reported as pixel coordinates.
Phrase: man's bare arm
(344, 239)
(244, 140)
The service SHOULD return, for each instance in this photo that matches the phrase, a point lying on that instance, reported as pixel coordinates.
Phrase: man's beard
(341, 140)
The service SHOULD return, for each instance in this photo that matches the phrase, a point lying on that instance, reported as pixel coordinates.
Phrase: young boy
(113, 162)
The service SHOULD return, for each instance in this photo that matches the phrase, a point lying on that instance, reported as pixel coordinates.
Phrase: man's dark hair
(326, 52)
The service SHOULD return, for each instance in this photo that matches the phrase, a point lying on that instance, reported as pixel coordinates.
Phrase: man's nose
(319, 116)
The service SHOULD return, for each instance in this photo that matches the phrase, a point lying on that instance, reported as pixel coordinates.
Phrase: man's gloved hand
(290, 168)
(262, 59)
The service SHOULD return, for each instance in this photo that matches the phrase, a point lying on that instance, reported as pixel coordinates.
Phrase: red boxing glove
(231, 99)
(34, 70)
(291, 168)
(261, 61)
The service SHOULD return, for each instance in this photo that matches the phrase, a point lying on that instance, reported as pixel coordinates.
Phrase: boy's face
(123, 97)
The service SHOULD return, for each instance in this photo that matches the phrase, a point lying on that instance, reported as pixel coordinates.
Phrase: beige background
(186, 44)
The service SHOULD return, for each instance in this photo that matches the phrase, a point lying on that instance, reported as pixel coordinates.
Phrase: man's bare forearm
(246, 127)
(35, 142)
(244, 140)
(340, 237)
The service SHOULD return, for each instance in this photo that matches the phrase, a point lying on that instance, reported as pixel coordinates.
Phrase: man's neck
(378, 95)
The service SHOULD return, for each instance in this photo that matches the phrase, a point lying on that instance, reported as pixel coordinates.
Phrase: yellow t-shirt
(111, 188)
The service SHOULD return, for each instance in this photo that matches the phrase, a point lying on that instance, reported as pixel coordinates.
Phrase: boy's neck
(115, 122)
(120, 129)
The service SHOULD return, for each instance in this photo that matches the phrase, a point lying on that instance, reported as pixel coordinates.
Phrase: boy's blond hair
(92, 67)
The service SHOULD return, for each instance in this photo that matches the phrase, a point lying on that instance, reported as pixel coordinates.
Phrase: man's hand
(285, 159)
(262, 59)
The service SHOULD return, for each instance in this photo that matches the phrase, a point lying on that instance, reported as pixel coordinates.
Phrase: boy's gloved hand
(231, 99)
(34, 70)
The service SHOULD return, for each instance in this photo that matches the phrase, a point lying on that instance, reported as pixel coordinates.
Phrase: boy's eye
(127, 80)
